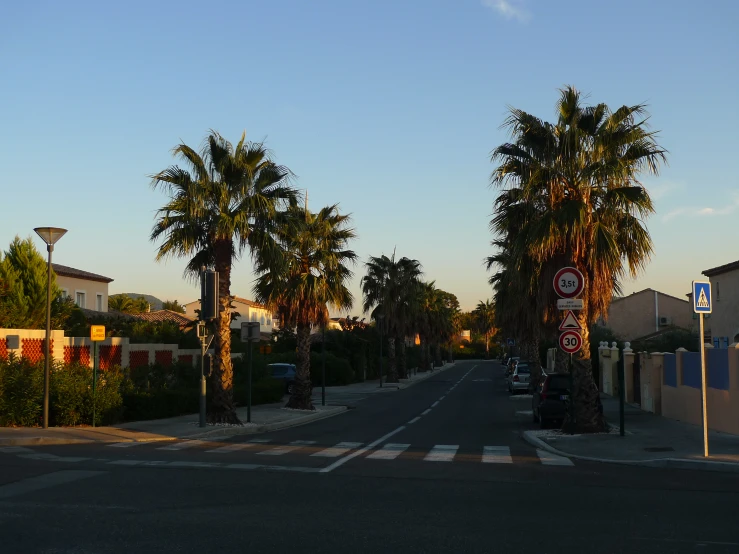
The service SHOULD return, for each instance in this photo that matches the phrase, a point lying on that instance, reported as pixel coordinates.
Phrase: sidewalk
(650, 440)
(265, 417)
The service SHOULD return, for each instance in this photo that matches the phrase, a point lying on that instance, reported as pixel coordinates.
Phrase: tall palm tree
(390, 288)
(308, 276)
(581, 175)
(121, 303)
(222, 203)
(484, 314)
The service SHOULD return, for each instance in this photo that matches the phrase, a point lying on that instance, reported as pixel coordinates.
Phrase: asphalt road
(438, 467)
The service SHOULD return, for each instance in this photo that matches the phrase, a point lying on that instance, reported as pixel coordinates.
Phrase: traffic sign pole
(703, 388)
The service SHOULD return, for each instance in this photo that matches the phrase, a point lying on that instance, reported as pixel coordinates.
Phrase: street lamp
(50, 235)
(379, 320)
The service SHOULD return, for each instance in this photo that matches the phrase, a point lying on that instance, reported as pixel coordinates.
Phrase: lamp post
(379, 320)
(323, 366)
(50, 235)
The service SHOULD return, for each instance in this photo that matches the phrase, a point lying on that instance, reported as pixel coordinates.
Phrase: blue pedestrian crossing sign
(702, 297)
(510, 342)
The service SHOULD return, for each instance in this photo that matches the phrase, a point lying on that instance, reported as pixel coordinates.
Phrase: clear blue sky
(389, 108)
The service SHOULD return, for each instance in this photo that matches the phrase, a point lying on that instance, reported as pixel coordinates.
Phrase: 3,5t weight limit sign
(568, 282)
(570, 342)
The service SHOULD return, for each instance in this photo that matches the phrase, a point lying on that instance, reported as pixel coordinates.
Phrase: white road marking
(15, 449)
(443, 397)
(124, 444)
(181, 445)
(231, 448)
(389, 452)
(280, 450)
(45, 481)
(496, 455)
(442, 453)
(435, 404)
(412, 421)
(338, 450)
(370, 446)
(425, 411)
(549, 459)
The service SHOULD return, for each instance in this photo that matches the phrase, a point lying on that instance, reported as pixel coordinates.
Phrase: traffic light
(209, 295)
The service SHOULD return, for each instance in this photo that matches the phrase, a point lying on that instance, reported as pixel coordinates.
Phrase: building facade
(88, 290)
(724, 319)
(646, 312)
(247, 310)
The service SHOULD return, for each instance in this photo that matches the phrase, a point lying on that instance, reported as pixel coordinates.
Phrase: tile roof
(618, 298)
(721, 269)
(67, 271)
(166, 315)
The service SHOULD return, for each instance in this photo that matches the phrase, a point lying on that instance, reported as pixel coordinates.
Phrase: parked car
(550, 398)
(511, 364)
(518, 378)
(284, 372)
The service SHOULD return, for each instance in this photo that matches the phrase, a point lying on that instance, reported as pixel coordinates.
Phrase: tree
(308, 276)
(577, 180)
(23, 289)
(389, 287)
(173, 306)
(485, 321)
(121, 303)
(224, 203)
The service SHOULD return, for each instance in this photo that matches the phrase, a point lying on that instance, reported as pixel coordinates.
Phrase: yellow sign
(97, 332)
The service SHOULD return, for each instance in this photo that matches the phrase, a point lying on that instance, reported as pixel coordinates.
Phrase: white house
(247, 310)
(88, 290)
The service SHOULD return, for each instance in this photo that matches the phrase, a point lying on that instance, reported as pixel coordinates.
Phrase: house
(724, 319)
(88, 290)
(646, 312)
(247, 310)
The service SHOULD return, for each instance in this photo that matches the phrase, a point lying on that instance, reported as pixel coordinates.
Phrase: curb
(234, 431)
(668, 463)
(220, 433)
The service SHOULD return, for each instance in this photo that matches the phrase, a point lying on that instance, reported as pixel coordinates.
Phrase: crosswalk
(388, 451)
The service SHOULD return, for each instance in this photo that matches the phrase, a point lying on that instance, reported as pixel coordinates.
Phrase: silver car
(518, 380)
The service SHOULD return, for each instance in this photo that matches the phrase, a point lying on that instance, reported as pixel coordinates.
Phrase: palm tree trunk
(437, 354)
(588, 411)
(301, 399)
(222, 410)
(392, 370)
(487, 345)
(424, 363)
(402, 361)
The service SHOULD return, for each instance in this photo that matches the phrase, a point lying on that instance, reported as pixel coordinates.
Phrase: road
(438, 467)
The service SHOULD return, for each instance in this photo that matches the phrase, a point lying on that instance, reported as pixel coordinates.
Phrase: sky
(389, 108)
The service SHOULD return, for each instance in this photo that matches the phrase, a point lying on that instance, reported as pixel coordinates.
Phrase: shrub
(142, 405)
(338, 370)
(21, 392)
(71, 399)
(264, 391)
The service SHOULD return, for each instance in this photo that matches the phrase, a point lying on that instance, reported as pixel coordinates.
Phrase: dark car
(550, 398)
(285, 372)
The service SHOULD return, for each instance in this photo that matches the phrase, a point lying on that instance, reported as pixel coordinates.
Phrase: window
(80, 299)
(65, 293)
(99, 302)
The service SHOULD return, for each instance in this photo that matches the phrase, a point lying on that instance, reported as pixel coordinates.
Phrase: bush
(143, 405)
(338, 370)
(70, 394)
(264, 391)
(21, 392)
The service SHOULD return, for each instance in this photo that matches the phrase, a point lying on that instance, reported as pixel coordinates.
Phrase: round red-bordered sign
(570, 341)
(568, 282)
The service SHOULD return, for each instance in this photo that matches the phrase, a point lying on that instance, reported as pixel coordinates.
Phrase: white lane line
(181, 445)
(389, 452)
(124, 444)
(45, 481)
(370, 446)
(15, 449)
(280, 450)
(549, 459)
(442, 398)
(338, 450)
(231, 448)
(496, 455)
(412, 421)
(442, 453)
(435, 404)
(425, 411)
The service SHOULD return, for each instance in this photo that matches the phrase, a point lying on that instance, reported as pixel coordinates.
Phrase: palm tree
(309, 275)
(223, 203)
(484, 315)
(390, 288)
(580, 175)
(121, 303)
(173, 306)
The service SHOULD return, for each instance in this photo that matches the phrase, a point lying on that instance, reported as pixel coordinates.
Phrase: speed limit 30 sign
(570, 342)
(568, 282)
